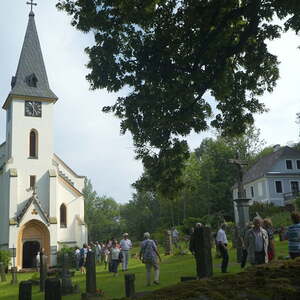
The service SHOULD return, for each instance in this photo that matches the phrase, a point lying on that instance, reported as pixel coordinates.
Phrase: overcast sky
(90, 141)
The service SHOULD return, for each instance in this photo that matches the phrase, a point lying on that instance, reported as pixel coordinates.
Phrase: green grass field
(171, 269)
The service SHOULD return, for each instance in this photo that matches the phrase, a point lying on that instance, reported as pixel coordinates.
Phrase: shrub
(70, 256)
(5, 257)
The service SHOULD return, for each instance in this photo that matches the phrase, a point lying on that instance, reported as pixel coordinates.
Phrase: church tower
(41, 204)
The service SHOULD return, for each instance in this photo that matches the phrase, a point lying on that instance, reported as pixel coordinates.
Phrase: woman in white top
(115, 258)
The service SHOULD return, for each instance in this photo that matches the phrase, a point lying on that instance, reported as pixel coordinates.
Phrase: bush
(5, 257)
(70, 256)
(265, 210)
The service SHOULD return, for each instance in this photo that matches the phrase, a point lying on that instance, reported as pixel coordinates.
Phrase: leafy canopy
(169, 54)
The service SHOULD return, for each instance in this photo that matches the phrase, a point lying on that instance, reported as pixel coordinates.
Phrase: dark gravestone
(2, 272)
(90, 273)
(66, 282)
(201, 244)
(129, 285)
(14, 279)
(25, 290)
(52, 289)
(43, 271)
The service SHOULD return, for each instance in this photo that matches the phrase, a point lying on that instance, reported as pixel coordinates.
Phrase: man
(293, 236)
(125, 245)
(256, 243)
(149, 256)
(97, 249)
(222, 243)
(175, 236)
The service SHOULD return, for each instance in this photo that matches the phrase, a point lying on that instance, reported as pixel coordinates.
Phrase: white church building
(41, 201)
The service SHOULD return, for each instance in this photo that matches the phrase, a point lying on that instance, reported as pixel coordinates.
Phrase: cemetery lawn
(171, 269)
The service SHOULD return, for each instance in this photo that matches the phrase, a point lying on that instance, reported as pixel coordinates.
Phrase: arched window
(33, 138)
(63, 216)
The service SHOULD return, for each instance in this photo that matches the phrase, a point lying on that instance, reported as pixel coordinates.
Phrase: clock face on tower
(33, 108)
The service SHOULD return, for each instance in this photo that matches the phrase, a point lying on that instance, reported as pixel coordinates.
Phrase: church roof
(33, 199)
(31, 78)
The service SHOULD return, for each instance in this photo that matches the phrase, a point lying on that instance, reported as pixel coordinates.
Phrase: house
(275, 178)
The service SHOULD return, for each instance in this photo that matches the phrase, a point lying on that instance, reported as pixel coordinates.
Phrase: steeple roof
(31, 78)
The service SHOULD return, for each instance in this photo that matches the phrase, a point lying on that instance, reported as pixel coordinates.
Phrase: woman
(115, 258)
(83, 256)
(268, 226)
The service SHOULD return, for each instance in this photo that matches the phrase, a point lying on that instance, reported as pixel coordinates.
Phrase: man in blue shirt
(293, 236)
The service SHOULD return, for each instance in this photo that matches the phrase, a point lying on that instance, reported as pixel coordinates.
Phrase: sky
(88, 140)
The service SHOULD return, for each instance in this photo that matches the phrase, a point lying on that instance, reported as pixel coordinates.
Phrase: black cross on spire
(31, 3)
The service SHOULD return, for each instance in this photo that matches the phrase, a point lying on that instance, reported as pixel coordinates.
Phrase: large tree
(169, 54)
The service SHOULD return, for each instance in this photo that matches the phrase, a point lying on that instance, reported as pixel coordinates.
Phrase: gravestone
(66, 282)
(25, 290)
(14, 279)
(91, 290)
(43, 270)
(129, 285)
(201, 241)
(52, 289)
(2, 272)
(168, 242)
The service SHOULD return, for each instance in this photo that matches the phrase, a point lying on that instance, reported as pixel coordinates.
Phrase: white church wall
(74, 204)
(39, 167)
(4, 210)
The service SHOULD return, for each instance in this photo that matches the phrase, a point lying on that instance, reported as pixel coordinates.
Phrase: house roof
(31, 66)
(265, 164)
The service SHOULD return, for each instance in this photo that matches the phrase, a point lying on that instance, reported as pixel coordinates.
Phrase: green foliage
(281, 219)
(214, 49)
(265, 210)
(69, 252)
(102, 215)
(5, 257)
(297, 202)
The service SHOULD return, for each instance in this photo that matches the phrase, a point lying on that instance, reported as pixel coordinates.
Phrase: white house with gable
(41, 201)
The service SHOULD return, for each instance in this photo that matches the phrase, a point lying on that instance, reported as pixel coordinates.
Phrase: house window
(298, 164)
(289, 164)
(32, 181)
(33, 144)
(278, 185)
(252, 191)
(63, 216)
(295, 187)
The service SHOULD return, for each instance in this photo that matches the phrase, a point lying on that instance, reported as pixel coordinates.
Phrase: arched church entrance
(32, 236)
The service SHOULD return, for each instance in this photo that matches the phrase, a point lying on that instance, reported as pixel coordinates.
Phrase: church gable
(33, 210)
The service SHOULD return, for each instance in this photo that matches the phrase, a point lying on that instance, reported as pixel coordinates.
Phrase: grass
(171, 269)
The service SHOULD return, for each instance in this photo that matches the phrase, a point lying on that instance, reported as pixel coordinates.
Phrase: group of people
(256, 240)
(111, 253)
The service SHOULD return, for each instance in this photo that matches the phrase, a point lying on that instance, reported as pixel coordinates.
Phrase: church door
(32, 236)
(30, 250)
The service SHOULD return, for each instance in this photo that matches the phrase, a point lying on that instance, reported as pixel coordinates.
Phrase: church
(41, 201)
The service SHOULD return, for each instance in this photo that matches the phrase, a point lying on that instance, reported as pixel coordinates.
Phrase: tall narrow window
(278, 186)
(63, 216)
(32, 181)
(289, 164)
(33, 144)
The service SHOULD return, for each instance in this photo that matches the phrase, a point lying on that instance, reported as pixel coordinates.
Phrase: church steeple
(31, 77)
